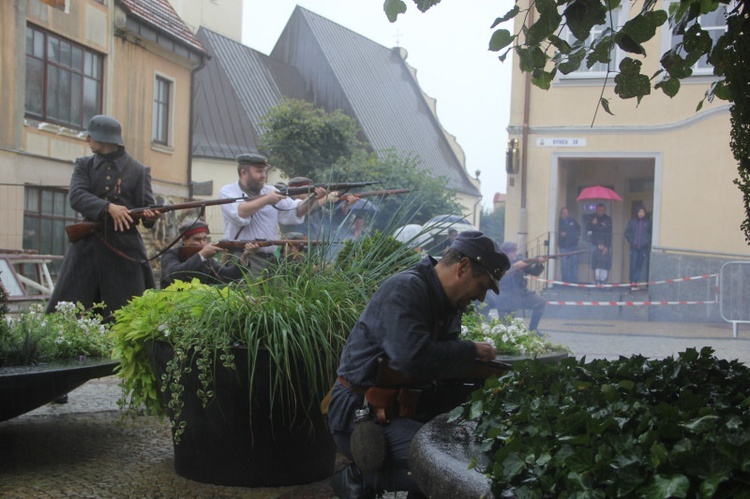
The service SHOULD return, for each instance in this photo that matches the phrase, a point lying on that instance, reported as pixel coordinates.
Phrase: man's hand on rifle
(122, 219)
(250, 248)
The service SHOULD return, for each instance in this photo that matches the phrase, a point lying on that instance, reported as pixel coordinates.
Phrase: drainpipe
(200, 66)
(523, 219)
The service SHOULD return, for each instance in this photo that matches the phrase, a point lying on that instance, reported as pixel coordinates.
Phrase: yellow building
(64, 61)
(663, 155)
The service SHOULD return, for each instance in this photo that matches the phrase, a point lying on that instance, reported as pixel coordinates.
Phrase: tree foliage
(304, 141)
(493, 223)
(542, 52)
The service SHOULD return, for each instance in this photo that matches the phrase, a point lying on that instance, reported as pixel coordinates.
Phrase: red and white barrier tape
(624, 284)
(630, 303)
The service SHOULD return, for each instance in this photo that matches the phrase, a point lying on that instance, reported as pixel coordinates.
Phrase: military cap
(481, 250)
(191, 228)
(252, 159)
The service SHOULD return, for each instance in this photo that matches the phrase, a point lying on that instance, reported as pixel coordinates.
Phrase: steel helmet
(105, 129)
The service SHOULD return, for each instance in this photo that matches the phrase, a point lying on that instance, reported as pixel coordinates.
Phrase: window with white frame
(162, 110)
(715, 24)
(615, 19)
(63, 80)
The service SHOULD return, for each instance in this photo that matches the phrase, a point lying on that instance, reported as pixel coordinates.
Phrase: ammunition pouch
(389, 403)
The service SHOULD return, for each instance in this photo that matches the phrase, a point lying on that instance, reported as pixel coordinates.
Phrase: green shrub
(633, 427)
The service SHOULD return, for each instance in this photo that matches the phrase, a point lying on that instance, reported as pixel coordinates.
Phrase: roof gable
(373, 84)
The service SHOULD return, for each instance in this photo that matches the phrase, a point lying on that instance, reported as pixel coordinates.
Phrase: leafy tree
(493, 223)
(304, 141)
(543, 53)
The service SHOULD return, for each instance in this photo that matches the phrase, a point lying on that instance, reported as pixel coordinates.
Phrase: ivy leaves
(675, 427)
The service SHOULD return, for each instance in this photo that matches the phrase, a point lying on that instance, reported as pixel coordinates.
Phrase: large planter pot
(24, 388)
(225, 444)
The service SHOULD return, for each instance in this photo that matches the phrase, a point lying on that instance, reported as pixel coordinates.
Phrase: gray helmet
(105, 129)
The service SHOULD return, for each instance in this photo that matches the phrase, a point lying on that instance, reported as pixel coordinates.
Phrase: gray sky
(448, 47)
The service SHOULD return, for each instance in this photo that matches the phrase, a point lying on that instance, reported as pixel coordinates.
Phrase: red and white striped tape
(631, 303)
(624, 284)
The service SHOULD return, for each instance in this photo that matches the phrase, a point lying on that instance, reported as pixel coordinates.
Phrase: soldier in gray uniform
(110, 265)
(414, 321)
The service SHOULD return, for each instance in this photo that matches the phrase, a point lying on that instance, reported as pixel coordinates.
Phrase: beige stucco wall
(696, 206)
(223, 17)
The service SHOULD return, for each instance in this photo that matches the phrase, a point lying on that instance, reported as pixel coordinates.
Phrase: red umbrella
(598, 192)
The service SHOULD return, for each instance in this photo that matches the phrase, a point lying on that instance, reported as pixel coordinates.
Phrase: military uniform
(207, 271)
(410, 321)
(92, 271)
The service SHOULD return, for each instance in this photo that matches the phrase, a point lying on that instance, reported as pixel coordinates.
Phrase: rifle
(390, 378)
(306, 189)
(385, 192)
(83, 229)
(186, 252)
(556, 255)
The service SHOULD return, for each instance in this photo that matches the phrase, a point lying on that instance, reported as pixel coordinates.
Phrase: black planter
(224, 445)
(24, 388)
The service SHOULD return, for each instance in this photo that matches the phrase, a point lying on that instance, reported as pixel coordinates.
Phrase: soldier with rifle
(414, 322)
(266, 207)
(108, 264)
(195, 258)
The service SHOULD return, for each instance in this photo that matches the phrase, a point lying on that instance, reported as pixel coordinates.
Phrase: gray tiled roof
(373, 84)
(237, 87)
(162, 17)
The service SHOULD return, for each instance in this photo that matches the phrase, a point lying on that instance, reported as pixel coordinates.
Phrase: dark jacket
(601, 231)
(572, 231)
(91, 271)
(638, 233)
(411, 322)
(207, 271)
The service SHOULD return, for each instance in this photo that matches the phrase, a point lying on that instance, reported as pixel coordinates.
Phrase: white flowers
(509, 335)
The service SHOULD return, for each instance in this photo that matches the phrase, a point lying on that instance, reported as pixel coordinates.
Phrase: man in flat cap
(195, 258)
(259, 217)
(413, 321)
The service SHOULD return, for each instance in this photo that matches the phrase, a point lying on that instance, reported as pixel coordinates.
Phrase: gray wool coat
(91, 271)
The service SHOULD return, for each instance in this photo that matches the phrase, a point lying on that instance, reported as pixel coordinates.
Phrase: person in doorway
(600, 227)
(601, 263)
(569, 231)
(195, 258)
(109, 265)
(514, 293)
(259, 217)
(638, 234)
(419, 338)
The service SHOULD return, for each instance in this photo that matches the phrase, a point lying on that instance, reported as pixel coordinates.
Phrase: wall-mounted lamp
(512, 163)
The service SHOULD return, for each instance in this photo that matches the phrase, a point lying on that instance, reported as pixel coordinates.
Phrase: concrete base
(439, 460)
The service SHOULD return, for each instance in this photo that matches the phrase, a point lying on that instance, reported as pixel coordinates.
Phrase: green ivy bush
(633, 427)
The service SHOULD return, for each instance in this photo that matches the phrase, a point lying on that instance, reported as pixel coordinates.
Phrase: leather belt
(356, 389)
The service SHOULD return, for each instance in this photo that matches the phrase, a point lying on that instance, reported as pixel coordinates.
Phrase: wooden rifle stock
(186, 252)
(390, 378)
(83, 229)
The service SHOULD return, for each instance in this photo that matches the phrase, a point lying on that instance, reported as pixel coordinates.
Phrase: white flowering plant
(508, 334)
(70, 333)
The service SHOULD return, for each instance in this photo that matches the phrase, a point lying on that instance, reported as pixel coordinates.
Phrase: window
(715, 24)
(598, 70)
(63, 80)
(162, 104)
(46, 213)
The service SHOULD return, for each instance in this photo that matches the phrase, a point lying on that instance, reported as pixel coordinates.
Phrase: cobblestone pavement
(84, 449)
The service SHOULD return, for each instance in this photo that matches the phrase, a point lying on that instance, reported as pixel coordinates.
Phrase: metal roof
(373, 84)
(236, 87)
(163, 18)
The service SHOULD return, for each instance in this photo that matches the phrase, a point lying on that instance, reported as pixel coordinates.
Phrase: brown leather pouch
(383, 400)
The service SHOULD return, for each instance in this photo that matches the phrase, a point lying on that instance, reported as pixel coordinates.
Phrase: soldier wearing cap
(514, 294)
(413, 320)
(259, 216)
(109, 266)
(195, 258)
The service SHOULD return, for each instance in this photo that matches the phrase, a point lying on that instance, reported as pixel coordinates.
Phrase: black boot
(347, 483)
